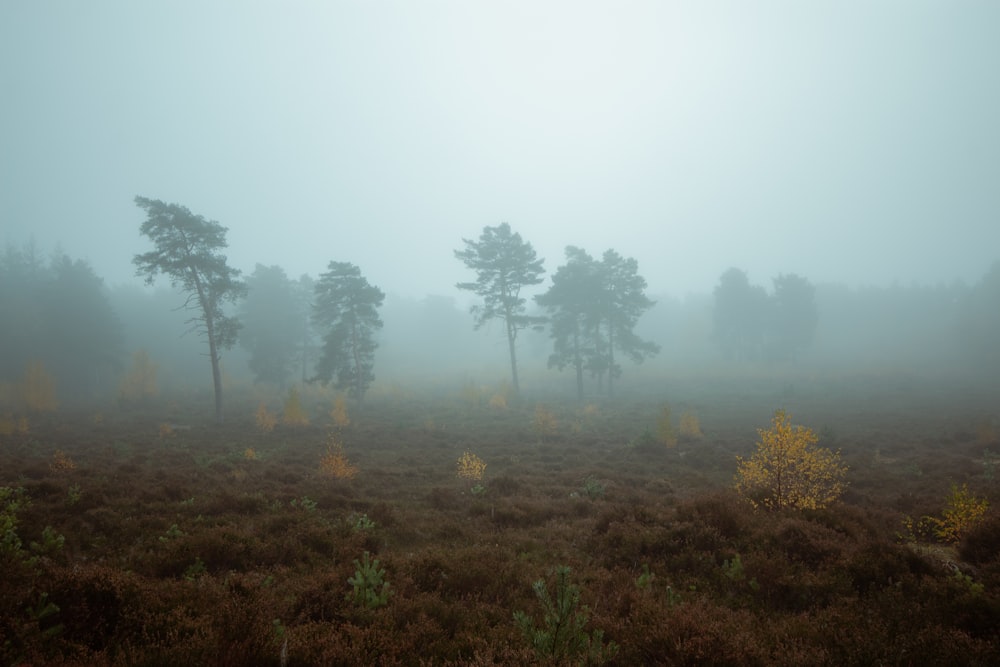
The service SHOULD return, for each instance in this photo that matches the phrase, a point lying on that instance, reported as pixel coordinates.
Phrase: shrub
(593, 488)
(294, 415)
(471, 467)
(544, 423)
(963, 512)
(563, 637)
(61, 462)
(12, 502)
(690, 428)
(371, 591)
(339, 412)
(665, 429)
(266, 421)
(334, 463)
(788, 470)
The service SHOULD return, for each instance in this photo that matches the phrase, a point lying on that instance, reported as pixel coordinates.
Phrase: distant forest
(60, 319)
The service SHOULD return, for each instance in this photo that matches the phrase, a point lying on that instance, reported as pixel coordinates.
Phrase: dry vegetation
(318, 539)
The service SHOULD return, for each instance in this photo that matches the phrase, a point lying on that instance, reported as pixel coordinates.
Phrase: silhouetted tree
(504, 264)
(83, 337)
(792, 316)
(620, 303)
(60, 316)
(979, 321)
(593, 309)
(346, 308)
(270, 316)
(570, 303)
(739, 315)
(22, 279)
(306, 348)
(187, 250)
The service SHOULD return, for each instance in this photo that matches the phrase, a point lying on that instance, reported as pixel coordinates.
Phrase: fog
(853, 144)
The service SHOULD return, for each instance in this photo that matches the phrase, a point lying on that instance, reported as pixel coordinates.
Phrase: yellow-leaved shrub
(788, 470)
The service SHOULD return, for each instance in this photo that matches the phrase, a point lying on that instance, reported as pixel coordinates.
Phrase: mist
(850, 144)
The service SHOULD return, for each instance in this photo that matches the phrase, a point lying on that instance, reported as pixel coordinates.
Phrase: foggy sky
(853, 142)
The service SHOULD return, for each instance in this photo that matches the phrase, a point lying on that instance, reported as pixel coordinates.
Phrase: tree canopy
(59, 315)
(570, 303)
(793, 316)
(751, 324)
(187, 250)
(504, 264)
(593, 308)
(346, 311)
(273, 315)
(979, 322)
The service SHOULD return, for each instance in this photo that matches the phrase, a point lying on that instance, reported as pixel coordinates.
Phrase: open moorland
(150, 535)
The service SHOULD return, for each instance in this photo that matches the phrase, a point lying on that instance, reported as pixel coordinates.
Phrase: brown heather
(185, 550)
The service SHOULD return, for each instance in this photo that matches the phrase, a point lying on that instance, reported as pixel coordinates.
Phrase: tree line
(592, 305)
(326, 329)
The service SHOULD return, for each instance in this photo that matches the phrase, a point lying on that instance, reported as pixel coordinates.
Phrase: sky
(852, 142)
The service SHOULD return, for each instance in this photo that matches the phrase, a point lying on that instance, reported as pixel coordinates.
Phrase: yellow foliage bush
(334, 463)
(38, 388)
(690, 428)
(61, 462)
(498, 402)
(294, 415)
(544, 423)
(339, 412)
(471, 467)
(266, 420)
(963, 512)
(665, 428)
(788, 470)
(10, 425)
(250, 454)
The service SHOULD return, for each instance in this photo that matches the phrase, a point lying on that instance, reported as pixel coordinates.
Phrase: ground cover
(151, 535)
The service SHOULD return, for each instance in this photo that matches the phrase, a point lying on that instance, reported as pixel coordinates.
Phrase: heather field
(150, 535)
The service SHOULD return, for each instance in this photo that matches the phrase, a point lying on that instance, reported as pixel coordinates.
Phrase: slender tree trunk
(578, 363)
(611, 359)
(358, 384)
(511, 337)
(213, 352)
(213, 348)
(305, 352)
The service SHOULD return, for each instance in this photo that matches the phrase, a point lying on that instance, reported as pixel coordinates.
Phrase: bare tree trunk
(358, 384)
(213, 348)
(578, 363)
(611, 359)
(511, 337)
(213, 355)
